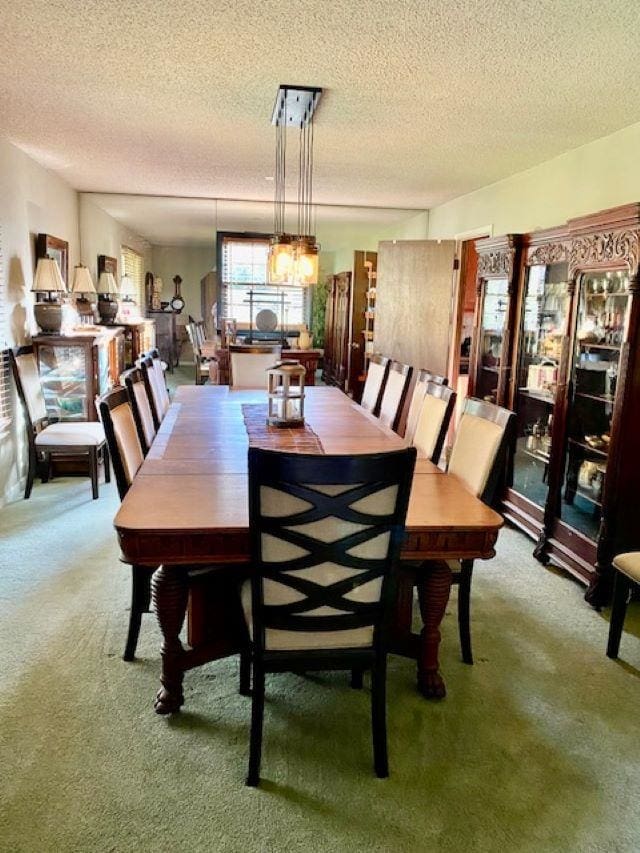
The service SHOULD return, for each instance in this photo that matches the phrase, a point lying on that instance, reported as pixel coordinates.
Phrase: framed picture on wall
(107, 264)
(57, 249)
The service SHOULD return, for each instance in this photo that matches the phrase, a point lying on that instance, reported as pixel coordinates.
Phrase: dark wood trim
(46, 243)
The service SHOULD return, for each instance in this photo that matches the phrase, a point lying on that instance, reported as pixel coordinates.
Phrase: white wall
(32, 200)
(593, 177)
(191, 263)
(101, 234)
(339, 244)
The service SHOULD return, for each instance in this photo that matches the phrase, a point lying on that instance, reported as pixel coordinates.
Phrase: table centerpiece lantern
(286, 394)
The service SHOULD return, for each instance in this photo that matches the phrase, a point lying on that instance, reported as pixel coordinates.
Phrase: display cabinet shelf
(581, 506)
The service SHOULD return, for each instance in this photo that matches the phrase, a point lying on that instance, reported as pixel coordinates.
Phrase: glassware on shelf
(603, 300)
(543, 326)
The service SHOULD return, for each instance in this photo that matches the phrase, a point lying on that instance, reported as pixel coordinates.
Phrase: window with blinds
(6, 394)
(131, 265)
(244, 270)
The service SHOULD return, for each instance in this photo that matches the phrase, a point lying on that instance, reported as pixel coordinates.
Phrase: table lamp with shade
(48, 313)
(81, 287)
(106, 290)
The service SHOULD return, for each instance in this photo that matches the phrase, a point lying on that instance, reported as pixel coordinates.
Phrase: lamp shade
(127, 287)
(107, 284)
(82, 281)
(48, 276)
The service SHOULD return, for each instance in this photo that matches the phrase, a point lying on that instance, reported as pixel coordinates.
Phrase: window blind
(244, 269)
(6, 394)
(131, 265)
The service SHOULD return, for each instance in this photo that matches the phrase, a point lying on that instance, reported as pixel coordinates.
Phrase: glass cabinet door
(494, 317)
(543, 324)
(601, 317)
(63, 375)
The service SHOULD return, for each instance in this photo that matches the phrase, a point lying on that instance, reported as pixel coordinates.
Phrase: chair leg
(245, 673)
(106, 461)
(464, 608)
(140, 598)
(621, 588)
(357, 678)
(257, 717)
(31, 473)
(93, 471)
(379, 717)
(46, 468)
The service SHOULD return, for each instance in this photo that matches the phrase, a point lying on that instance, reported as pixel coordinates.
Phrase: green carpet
(536, 747)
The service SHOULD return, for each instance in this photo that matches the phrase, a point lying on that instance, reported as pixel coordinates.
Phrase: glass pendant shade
(306, 261)
(280, 259)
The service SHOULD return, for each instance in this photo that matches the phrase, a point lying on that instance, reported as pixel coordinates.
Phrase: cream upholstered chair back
(249, 364)
(374, 383)
(122, 437)
(480, 449)
(417, 397)
(325, 532)
(153, 376)
(29, 378)
(395, 394)
(433, 421)
(140, 406)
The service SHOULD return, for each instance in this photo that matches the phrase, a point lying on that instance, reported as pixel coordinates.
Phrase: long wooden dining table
(188, 507)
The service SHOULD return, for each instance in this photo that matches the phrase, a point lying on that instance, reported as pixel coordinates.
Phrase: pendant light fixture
(293, 259)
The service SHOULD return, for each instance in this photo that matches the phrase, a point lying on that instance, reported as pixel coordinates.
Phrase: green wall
(602, 174)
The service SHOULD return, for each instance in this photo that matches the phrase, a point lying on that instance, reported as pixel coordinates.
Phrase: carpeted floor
(536, 747)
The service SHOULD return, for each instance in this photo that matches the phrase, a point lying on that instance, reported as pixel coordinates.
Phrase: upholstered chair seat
(72, 434)
(47, 439)
(627, 574)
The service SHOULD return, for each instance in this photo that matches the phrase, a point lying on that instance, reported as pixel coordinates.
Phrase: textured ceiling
(425, 99)
(193, 221)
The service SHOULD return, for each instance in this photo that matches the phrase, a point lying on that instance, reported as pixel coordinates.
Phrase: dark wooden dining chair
(377, 372)
(326, 533)
(200, 362)
(480, 459)
(133, 381)
(153, 376)
(127, 456)
(47, 438)
(422, 379)
(627, 576)
(434, 417)
(394, 394)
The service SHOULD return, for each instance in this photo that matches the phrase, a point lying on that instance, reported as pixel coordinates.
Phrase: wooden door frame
(462, 239)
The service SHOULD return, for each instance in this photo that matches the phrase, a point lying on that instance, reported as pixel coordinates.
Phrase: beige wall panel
(413, 302)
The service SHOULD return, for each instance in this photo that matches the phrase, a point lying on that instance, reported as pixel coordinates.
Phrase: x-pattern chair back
(324, 543)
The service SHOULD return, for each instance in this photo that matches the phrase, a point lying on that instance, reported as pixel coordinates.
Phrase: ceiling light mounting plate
(300, 102)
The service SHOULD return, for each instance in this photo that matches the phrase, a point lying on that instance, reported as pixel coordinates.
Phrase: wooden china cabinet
(539, 359)
(494, 321)
(349, 324)
(577, 460)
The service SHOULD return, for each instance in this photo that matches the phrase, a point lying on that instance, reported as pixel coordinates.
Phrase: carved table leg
(434, 586)
(170, 591)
